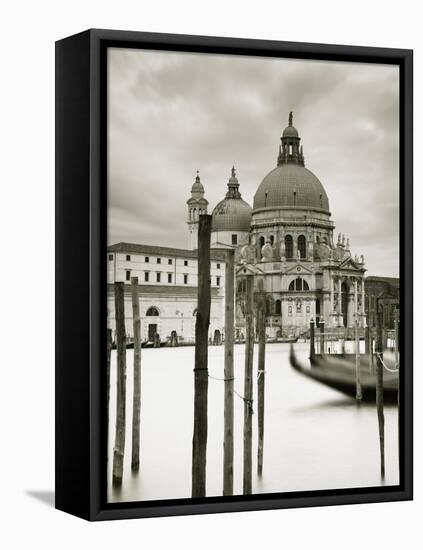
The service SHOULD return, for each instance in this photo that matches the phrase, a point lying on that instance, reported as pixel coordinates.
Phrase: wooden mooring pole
(119, 448)
(228, 428)
(397, 366)
(379, 386)
(322, 337)
(397, 338)
(369, 347)
(312, 347)
(367, 340)
(248, 386)
(343, 341)
(358, 390)
(199, 440)
(136, 401)
(261, 374)
(108, 360)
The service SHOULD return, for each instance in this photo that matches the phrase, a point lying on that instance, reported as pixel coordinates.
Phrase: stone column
(356, 296)
(331, 300)
(340, 317)
(351, 307)
(363, 308)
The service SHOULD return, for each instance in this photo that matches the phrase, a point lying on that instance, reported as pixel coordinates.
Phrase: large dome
(233, 213)
(291, 185)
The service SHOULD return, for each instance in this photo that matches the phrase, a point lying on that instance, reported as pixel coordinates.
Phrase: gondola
(339, 372)
(284, 340)
(145, 344)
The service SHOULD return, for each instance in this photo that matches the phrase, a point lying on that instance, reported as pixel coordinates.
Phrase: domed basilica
(286, 242)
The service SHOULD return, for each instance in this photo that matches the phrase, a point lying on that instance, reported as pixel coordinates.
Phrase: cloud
(173, 113)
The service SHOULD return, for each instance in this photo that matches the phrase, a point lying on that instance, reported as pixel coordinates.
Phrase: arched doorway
(217, 338)
(344, 303)
(173, 338)
(152, 327)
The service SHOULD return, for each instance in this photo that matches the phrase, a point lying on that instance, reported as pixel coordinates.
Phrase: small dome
(233, 213)
(197, 186)
(290, 131)
(291, 185)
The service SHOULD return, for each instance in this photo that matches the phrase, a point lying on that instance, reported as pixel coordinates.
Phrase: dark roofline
(135, 248)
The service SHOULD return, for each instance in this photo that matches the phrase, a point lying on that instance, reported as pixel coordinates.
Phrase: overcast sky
(173, 113)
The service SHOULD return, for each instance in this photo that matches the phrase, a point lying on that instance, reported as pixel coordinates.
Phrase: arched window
(289, 247)
(278, 308)
(272, 240)
(302, 246)
(298, 284)
(262, 241)
(152, 312)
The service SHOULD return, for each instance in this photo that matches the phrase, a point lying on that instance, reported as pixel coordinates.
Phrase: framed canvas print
(234, 274)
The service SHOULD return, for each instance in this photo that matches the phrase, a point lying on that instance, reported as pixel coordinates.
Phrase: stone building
(389, 289)
(168, 290)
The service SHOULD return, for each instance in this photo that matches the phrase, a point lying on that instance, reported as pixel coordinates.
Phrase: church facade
(286, 242)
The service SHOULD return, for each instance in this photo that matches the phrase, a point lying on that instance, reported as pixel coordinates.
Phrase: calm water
(315, 438)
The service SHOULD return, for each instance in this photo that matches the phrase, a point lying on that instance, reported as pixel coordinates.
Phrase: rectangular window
(234, 239)
(217, 266)
(185, 279)
(289, 311)
(147, 259)
(146, 276)
(158, 277)
(218, 281)
(169, 261)
(169, 277)
(128, 275)
(159, 260)
(110, 257)
(128, 258)
(185, 262)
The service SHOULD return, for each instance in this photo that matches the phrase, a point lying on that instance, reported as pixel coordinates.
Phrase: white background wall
(27, 301)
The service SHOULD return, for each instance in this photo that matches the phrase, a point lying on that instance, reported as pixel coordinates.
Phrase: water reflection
(315, 438)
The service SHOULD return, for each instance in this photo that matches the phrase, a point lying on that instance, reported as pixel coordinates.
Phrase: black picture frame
(81, 221)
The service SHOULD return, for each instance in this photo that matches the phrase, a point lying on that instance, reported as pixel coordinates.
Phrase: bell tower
(197, 205)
